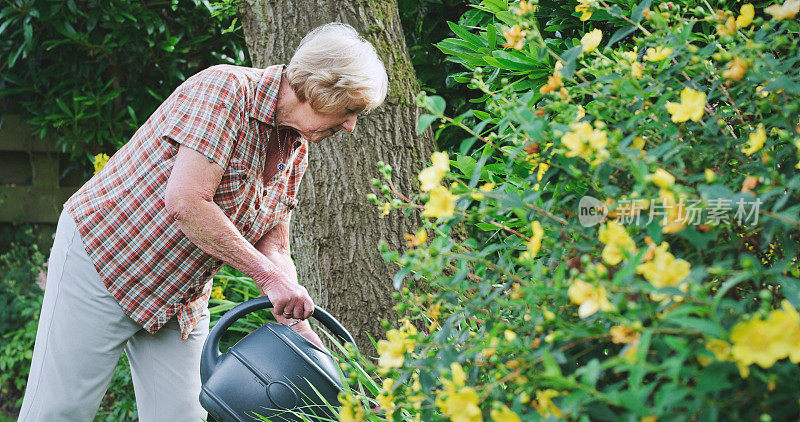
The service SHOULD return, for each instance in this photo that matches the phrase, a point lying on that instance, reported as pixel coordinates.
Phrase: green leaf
(435, 104)
(466, 164)
(491, 36)
(569, 58)
(615, 11)
(620, 34)
(687, 32)
(791, 290)
(784, 83)
(12, 59)
(424, 121)
(467, 36)
(638, 12)
(481, 114)
(397, 280)
(496, 5)
(704, 326)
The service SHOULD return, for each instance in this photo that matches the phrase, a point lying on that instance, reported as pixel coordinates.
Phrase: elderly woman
(210, 178)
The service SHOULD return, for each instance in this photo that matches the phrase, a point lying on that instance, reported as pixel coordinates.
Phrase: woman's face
(315, 126)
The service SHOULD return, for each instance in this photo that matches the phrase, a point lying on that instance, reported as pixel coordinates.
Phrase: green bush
(560, 303)
(92, 72)
(20, 303)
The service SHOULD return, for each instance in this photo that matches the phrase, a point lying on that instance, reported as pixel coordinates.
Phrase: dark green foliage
(90, 72)
(20, 302)
(425, 23)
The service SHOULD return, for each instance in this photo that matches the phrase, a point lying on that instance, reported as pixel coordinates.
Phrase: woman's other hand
(303, 328)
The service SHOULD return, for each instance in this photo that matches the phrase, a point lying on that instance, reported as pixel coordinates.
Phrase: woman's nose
(350, 124)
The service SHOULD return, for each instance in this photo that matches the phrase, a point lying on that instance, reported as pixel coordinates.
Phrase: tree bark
(335, 230)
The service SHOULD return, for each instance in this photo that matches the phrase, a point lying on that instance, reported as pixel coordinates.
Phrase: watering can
(271, 372)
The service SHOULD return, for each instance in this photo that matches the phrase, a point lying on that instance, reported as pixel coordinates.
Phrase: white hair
(334, 67)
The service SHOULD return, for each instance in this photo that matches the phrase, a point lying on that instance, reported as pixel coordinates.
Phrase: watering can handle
(211, 353)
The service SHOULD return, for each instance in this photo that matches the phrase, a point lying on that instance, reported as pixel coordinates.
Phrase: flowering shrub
(617, 236)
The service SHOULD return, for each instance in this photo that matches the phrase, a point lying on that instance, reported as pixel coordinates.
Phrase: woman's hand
(303, 328)
(289, 299)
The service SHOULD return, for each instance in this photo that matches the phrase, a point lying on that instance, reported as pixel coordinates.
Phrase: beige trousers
(82, 331)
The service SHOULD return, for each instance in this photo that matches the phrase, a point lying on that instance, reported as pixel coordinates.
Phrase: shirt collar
(266, 98)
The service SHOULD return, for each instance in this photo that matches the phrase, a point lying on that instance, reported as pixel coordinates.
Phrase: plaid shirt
(147, 263)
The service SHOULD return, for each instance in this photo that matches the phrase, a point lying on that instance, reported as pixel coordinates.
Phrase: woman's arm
(189, 199)
(274, 245)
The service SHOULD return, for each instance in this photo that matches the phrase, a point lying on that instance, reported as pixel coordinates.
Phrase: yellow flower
(584, 7)
(515, 38)
(441, 161)
(638, 142)
(581, 112)
(351, 410)
(787, 10)
(630, 56)
(217, 293)
(621, 334)
(585, 142)
(657, 54)
(392, 351)
(691, 106)
(785, 324)
(720, 349)
(745, 17)
(100, 161)
(589, 298)
(456, 401)
(544, 403)
(637, 70)
(417, 239)
(735, 69)
(617, 241)
(535, 242)
(430, 177)
(542, 170)
(676, 212)
(433, 314)
(728, 28)
(485, 188)
(710, 175)
(387, 207)
(752, 344)
(510, 335)
(591, 40)
(662, 178)
(385, 398)
(524, 7)
(756, 140)
(441, 204)
(664, 270)
(461, 406)
(553, 83)
(504, 414)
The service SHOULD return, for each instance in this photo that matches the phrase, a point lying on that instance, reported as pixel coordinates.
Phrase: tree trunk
(335, 230)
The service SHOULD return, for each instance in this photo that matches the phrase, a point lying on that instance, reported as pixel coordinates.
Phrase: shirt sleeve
(207, 114)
